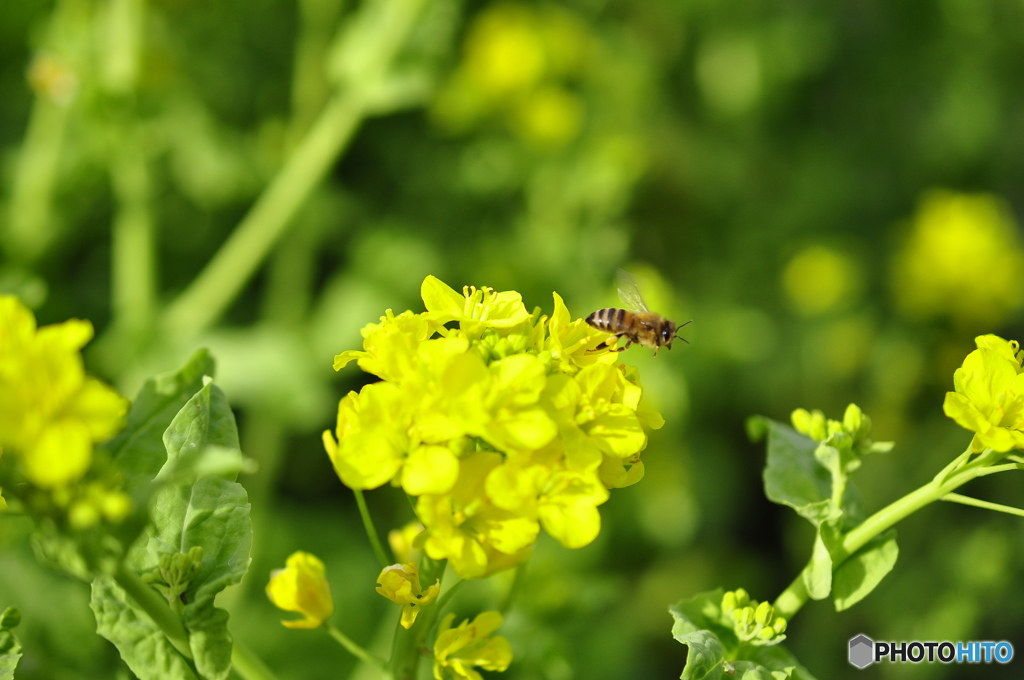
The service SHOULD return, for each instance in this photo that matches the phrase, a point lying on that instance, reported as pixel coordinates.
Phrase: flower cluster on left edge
(52, 415)
(497, 420)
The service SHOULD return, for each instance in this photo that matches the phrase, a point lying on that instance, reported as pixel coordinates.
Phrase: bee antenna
(677, 331)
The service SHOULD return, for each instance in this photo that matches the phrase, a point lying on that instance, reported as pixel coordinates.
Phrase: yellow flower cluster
(51, 413)
(516, 60)
(989, 396)
(501, 425)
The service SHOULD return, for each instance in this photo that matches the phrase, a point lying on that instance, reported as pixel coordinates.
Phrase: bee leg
(629, 342)
(609, 345)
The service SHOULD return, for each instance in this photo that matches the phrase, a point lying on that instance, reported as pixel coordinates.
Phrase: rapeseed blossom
(302, 587)
(989, 396)
(400, 583)
(498, 421)
(457, 650)
(51, 413)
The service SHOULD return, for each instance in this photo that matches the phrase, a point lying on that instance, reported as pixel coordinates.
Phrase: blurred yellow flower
(549, 117)
(504, 50)
(989, 396)
(302, 587)
(458, 650)
(51, 413)
(961, 259)
(818, 279)
(516, 59)
(504, 424)
(403, 541)
(53, 78)
(400, 583)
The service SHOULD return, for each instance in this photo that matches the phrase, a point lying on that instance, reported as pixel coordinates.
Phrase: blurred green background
(829, 190)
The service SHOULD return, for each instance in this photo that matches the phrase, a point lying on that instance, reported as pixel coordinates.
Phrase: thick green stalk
(955, 475)
(31, 224)
(223, 278)
(133, 256)
(133, 261)
(247, 664)
(203, 302)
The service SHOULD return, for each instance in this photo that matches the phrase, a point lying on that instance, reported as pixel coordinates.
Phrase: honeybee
(637, 324)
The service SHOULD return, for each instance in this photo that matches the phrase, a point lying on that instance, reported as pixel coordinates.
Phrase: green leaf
(793, 476)
(139, 450)
(10, 648)
(704, 655)
(209, 511)
(780, 661)
(142, 643)
(818, 578)
(703, 611)
(859, 574)
(714, 652)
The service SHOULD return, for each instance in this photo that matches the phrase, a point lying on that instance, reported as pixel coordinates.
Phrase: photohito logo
(864, 651)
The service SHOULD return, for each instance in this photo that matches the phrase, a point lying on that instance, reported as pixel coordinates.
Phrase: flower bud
(302, 587)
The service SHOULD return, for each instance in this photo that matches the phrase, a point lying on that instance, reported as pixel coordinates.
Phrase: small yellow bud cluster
(174, 575)
(754, 622)
(89, 503)
(849, 435)
(854, 426)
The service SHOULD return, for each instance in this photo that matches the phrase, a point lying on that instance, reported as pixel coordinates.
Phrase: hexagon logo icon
(862, 651)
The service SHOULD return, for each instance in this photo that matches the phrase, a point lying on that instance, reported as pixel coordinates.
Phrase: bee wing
(629, 293)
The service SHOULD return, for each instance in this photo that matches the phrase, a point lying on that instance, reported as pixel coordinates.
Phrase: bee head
(668, 333)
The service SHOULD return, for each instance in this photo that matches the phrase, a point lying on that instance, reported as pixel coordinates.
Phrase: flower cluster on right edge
(497, 420)
(989, 396)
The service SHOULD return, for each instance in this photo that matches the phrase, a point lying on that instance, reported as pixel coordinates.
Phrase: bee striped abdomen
(608, 319)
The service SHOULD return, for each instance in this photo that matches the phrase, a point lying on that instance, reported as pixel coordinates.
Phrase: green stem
(987, 505)
(954, 475)
(371, 531)
(1000, 468)
(220, 282)
(223, 278)
(355, 649)
(449, 593)
(156, 606)
(31, 227)
(513, 591)
(247, 664)
(133, 262)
